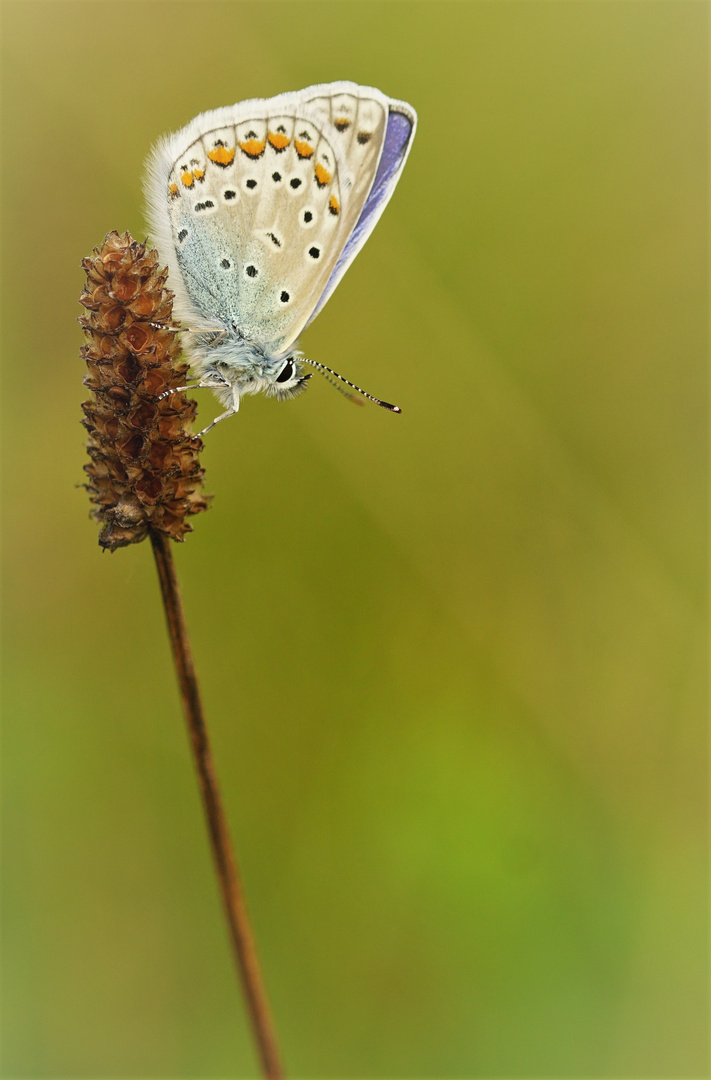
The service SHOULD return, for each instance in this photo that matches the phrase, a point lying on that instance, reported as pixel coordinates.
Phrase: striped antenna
(323, 369)
(342, 390)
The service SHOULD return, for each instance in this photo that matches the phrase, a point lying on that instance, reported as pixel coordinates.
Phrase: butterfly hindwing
(256, 206)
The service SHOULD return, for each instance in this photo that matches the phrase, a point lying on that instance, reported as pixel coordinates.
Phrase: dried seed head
(144, 471)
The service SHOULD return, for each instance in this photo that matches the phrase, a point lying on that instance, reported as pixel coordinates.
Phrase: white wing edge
(155, 185)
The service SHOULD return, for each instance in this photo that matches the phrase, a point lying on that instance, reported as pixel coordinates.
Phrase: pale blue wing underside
(259, 208)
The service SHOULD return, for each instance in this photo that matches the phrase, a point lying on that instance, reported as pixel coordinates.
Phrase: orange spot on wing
(333, 205)
(253, 148)
(187, 178)
(342, 122)
(173, 191)
(323, 176)
(221, 155)
(303, 149)
(278, 141)
(199, 174)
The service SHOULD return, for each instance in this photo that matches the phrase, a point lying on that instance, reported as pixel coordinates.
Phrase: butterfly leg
(223, 416)
(194, 386)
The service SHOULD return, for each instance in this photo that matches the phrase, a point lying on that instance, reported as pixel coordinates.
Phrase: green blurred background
(453, 661)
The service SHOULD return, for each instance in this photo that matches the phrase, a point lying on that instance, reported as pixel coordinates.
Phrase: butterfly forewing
(261, 201)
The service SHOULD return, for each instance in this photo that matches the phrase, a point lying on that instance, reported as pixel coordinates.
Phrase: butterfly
(258, 209)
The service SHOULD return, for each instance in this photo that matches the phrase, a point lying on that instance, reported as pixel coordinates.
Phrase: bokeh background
(453, 661)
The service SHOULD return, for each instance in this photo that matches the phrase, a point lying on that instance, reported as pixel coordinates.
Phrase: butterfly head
(233, 366)
(289, 380)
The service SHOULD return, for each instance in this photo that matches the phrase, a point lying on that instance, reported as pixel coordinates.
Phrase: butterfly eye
(286, 372)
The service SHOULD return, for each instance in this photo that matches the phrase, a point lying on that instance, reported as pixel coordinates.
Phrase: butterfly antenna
(323, 369)
(346, 393)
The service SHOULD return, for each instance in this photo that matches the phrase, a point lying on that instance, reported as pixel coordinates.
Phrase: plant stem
(225, 862)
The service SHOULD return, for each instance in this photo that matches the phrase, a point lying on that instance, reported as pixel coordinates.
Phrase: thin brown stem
(225, 863)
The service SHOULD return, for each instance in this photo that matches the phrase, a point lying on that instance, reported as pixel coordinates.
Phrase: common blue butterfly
(258, 209)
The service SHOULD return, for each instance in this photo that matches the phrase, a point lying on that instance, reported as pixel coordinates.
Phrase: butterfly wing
(258, 209)
(401, 124)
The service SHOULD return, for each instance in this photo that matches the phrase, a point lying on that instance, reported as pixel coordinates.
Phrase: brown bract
(144, 471)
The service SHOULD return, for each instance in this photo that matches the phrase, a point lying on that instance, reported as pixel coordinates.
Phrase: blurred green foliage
(453, 661)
